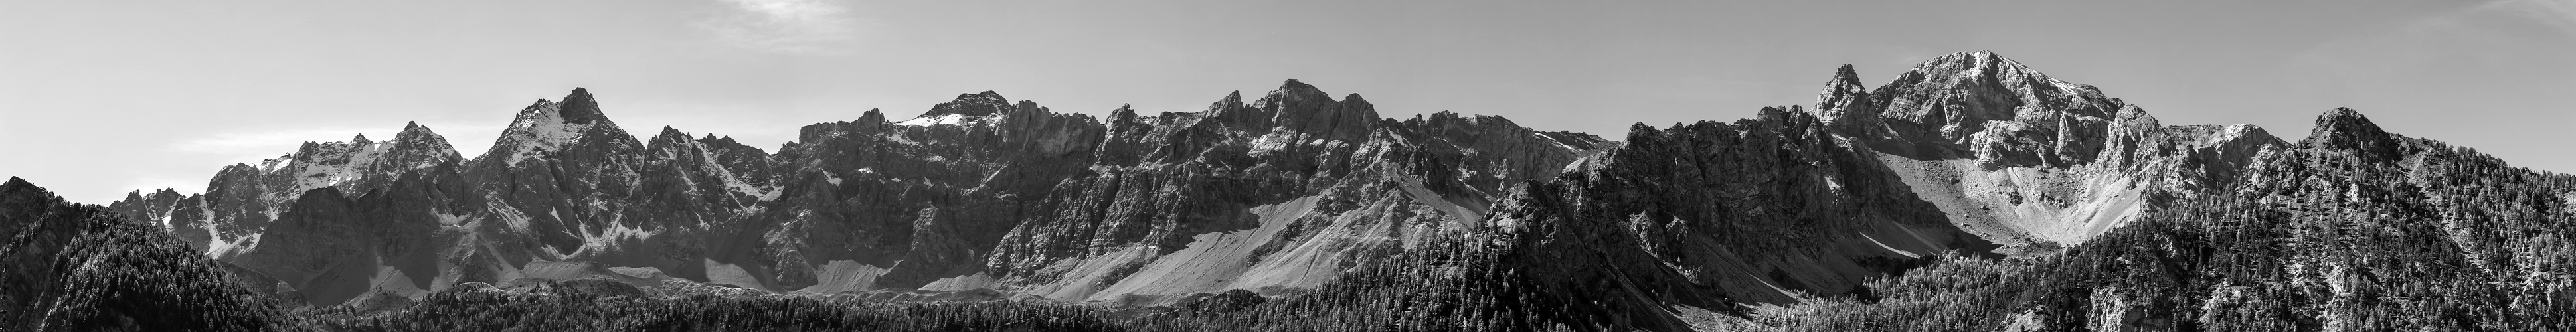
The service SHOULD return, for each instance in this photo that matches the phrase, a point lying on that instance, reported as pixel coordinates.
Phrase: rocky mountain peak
(1232, 100)
(413, 129)
(967, 108)
(873, 115)
(984, 103)
(1299, 107)
(988, 97)
(308, 149)
(1977, 86)
(1842, 89)
(669, 133)
(668, 138)
(1985, 63)
(1845, 102)
(580, 108)
(1293, 96)
(1294, 89)
(1983, 105)
(416, 137)
(2346, 129)
(552, 126)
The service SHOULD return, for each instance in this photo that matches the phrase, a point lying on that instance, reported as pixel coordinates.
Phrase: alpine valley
(1970, 193)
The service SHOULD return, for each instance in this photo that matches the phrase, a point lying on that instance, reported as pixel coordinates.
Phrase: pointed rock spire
(416, 137)
(580, 108)
(667, 138)
(413, 130)
(1232, 100)
(1845, 103)
(673, 134)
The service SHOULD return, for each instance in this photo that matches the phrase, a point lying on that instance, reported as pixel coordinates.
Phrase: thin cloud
(784, 26)
(2556, 13)
(247, 147)
(253, 146)
(183, 186)
(2382, 55)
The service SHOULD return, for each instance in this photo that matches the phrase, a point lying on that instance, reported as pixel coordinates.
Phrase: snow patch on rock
(538, 129)
(943, 119)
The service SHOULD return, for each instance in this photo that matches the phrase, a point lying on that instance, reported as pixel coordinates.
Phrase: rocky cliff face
(1285, 191)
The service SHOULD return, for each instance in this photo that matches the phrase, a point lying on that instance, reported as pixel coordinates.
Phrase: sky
(102, 97)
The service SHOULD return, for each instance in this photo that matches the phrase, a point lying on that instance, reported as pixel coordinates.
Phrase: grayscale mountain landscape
(1967, 193)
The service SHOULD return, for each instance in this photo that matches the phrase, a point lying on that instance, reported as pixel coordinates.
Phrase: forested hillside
(2354, 230)
(79, 267)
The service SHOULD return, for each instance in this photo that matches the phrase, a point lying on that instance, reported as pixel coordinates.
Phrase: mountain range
(1968, 193)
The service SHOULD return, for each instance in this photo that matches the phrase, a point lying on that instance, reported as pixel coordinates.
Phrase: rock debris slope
(1287, 190)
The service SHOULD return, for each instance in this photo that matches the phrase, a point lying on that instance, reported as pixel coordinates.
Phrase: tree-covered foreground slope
(79, 267)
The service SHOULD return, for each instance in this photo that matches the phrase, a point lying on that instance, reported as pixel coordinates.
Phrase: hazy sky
(99, 97)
